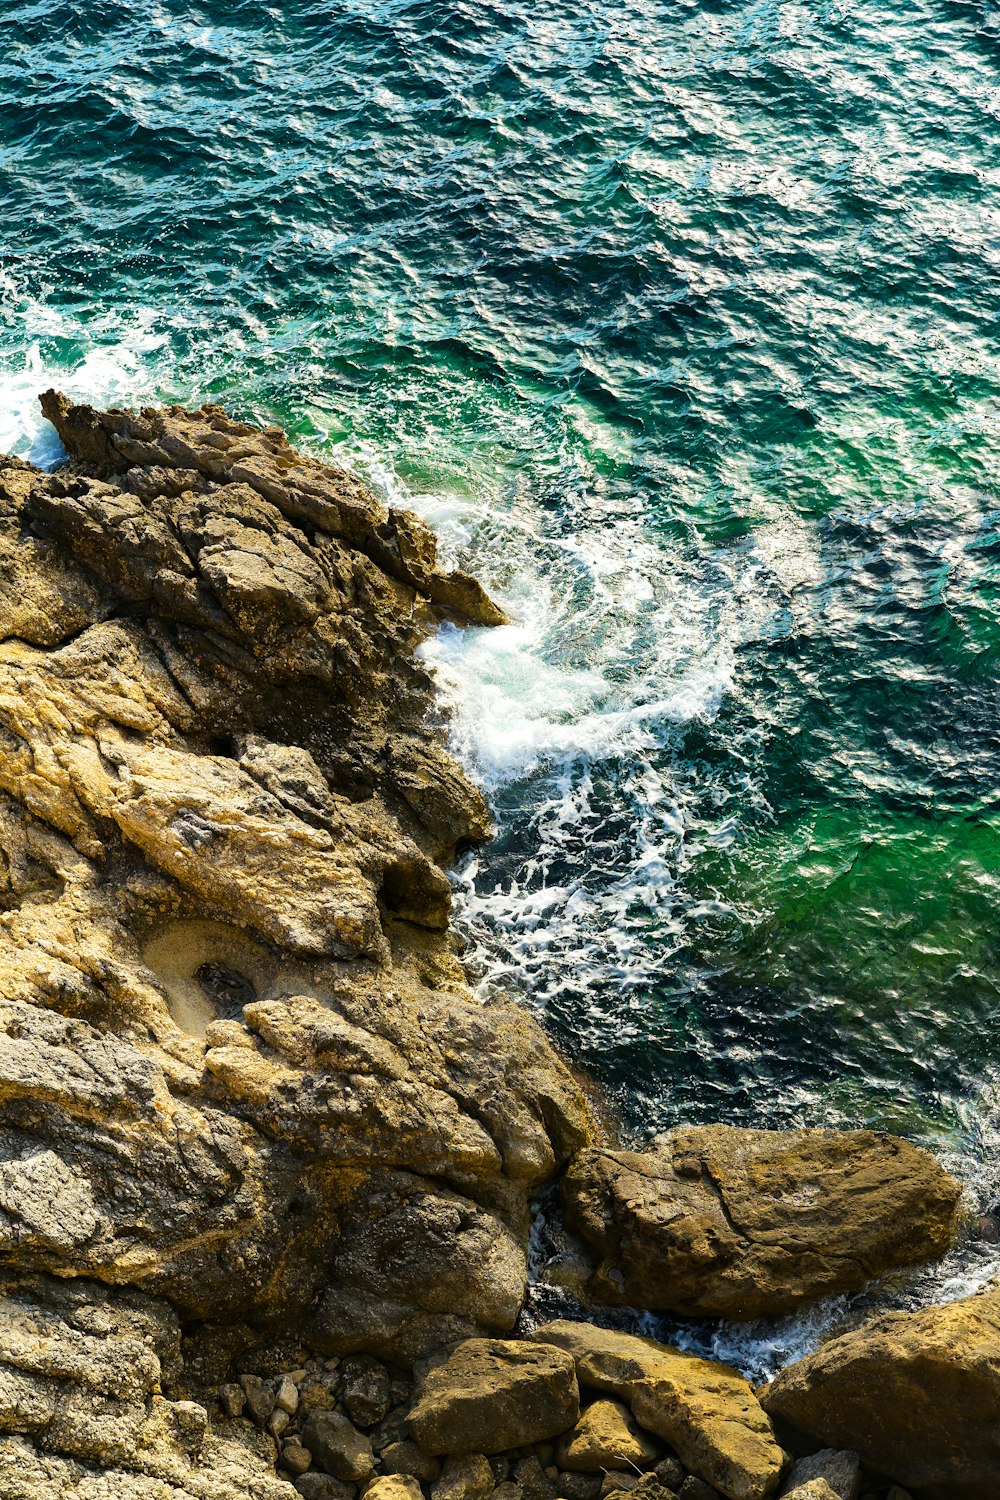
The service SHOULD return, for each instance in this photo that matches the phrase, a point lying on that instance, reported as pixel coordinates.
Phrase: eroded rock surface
(489, 1395)
(707, 1412)
(241, 1076)
(915, 1394)
(749, 1223)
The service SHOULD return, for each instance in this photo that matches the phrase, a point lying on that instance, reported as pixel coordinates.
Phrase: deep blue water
(679, 321)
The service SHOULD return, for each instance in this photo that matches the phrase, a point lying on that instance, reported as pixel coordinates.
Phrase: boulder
(338, 1447)
(606, 1437)
(365, 1389)
(466, 1477)
(812, 1489)
(915, 1394)
(490, 1395)
(574, 1486)
(394, 1487)
(706, 1412)
(840, 1469)
(738, 1223)
(407, 1457)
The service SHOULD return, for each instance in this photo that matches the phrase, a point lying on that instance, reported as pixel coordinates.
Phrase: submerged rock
(706, 1412)
(750, 1223)
(240, 1067)
(916, 1394)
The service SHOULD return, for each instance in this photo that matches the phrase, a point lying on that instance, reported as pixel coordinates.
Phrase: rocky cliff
(265, 1165)
(243, 1086)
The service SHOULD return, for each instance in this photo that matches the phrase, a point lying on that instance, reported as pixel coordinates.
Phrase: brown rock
(468, 1477)
(338, 1447)
(243, 1082)
(839, 1468)
(406, 1457)
(670, 1473)
(749, 1223)
(394, 1487)
(294, 1457)
(606, 1437)
(574, 1486)
(915, 1394)
(706, 1412)
(490, 1395)
(649, 1487)
(313, 1486)
(619, 1481)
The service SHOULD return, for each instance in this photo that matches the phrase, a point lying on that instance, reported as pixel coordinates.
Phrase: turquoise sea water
(679, 322)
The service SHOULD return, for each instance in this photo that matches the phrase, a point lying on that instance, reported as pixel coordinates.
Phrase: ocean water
(678, 322)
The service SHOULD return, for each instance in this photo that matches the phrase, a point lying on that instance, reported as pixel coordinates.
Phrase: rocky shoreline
(267, 1166)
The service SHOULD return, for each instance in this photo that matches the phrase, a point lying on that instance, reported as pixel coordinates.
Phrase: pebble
(578, 1486)
(287, 1398)
(295, 1458)
(259, 1398)
(233, 1400)
(406, 1457)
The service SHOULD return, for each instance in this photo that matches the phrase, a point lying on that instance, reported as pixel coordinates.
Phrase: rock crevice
(265, 1164)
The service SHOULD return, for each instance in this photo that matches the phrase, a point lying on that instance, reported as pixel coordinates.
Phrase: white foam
(116, 360)
(566, 717)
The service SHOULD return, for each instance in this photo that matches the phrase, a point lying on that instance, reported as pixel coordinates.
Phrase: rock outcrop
(261, 1153)
(749, 1223)
(243, 1085)
(706, 1412)
(916, 1394)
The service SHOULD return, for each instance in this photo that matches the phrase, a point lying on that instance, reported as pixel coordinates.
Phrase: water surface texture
(678, 321)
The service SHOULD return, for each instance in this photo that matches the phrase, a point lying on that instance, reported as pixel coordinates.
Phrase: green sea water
(679, 322)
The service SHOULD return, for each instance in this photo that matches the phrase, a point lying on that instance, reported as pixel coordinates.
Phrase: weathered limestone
(82, 1370)
(749, 1223)
(916, 1394)
(240, 1069)
(489, 1395)
(706, 1412)
(606, 1437)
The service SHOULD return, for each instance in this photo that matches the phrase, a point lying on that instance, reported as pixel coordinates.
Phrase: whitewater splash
(569, 718)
